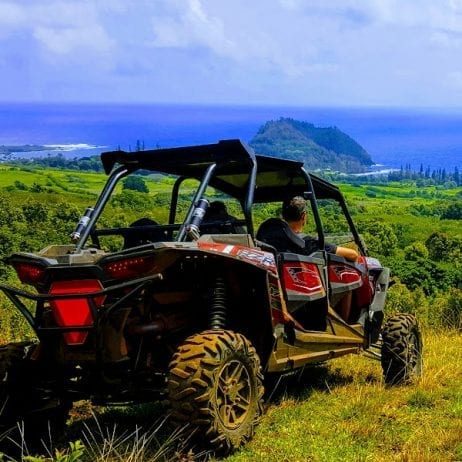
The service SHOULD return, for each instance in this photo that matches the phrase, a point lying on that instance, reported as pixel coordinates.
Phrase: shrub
(20, 186)
(415, 251)
(453, 212)
(135, 183)
(451, 309)
(399, 300)
(438, 245)
(380, 237)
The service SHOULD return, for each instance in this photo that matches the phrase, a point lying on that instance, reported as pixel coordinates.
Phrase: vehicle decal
(228, 249)
(343, 274)
(302, 277)
(220, 248)
(257, 257)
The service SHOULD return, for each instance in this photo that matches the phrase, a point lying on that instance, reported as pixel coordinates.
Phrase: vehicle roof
(276, 178)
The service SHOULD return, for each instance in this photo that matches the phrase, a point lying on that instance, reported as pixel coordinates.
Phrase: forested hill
(317, 147)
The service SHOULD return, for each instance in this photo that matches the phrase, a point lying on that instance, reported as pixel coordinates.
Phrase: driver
(285, 235)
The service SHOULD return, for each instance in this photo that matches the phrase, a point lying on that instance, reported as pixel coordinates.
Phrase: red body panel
(301, 278)
(341, 273)
(256, 257)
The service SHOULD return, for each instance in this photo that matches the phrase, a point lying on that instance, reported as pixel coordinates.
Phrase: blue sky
(289, 52)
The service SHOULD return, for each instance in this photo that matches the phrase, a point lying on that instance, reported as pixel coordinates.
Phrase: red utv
(193, 311)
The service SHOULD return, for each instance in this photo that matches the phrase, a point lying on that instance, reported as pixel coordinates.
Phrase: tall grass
(100, 441)
(136, 445)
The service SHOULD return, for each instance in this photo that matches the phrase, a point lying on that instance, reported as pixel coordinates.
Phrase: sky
(399, 53)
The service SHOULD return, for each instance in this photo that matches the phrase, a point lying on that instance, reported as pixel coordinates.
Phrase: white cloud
(249, 39)
(65, 40)
(60, 27)
(190, 26)
(295, 51)
(443, 14)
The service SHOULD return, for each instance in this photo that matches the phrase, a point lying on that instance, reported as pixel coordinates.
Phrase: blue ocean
(393, 137)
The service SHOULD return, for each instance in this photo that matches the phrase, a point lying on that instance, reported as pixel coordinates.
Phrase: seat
(217, 220)
(277, 233)
(143, 232)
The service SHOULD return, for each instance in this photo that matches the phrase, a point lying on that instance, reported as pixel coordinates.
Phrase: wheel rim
(233, 394)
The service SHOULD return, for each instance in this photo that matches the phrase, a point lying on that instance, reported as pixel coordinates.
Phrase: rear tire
(401, 350)
(27, 417)
(215, 385)
(11, 355)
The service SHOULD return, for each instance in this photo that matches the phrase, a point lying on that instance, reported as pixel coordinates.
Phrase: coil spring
(218, 309)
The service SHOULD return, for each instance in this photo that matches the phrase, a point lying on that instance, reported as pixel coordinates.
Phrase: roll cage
(229, 166)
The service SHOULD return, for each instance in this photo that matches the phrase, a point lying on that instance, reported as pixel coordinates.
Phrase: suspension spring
(218, 308)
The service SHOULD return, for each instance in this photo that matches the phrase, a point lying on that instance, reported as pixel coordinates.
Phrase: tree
(399, 299)
(453, 212)
(35, 212)
(135, 183)
(415, 251)
(380, 237)
(438, 245)
(429, 276)
(132, 200)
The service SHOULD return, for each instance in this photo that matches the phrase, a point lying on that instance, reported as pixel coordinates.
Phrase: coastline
(31, 151)
(394, 137)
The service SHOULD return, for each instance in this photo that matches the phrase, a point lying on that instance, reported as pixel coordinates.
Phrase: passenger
(285, 236)
(217, 220)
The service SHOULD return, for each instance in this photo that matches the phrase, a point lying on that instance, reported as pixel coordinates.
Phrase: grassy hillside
(344, 413)
(339, 412)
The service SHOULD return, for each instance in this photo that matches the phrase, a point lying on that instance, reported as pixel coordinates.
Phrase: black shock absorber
(218, 308)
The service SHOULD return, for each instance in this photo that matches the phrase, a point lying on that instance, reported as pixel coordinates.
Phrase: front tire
(401, 350)
(215, 385)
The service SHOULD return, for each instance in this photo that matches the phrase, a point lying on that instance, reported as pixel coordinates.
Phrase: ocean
(393, 137)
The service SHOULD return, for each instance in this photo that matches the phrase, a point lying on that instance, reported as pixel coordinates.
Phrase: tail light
(29, 273)
(75, 312)
(127, 268)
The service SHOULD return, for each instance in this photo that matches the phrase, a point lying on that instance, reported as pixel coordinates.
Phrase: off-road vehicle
(193, 311)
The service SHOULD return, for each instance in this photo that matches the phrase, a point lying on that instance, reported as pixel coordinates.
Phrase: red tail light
(29, 273)
(130, 267)
(75, 311)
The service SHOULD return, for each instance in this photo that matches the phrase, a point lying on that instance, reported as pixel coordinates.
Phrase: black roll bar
(100, 203)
